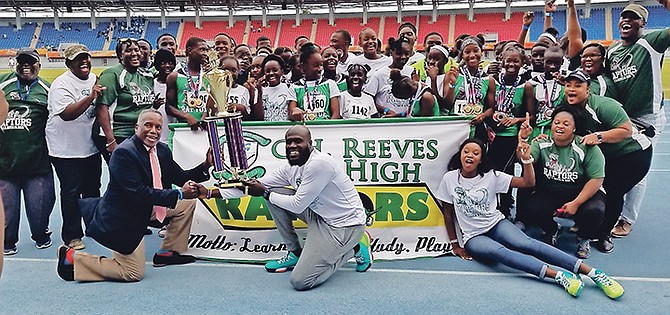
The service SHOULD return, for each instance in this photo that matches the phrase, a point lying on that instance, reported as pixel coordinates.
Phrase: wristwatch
(599, 137)
(266, 194)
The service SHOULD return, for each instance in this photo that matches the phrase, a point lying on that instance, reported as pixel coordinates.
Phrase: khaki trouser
(129, 268)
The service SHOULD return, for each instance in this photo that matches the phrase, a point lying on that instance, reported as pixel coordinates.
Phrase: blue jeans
(506, 244)
(79, 178)
(39, 197)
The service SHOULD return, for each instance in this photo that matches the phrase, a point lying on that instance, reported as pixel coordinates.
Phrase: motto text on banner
(396, 164)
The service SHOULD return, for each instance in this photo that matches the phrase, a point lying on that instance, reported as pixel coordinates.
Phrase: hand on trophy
(255, 188)
(209, 158)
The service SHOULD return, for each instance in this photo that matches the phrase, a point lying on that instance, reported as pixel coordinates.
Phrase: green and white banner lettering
(396, 164)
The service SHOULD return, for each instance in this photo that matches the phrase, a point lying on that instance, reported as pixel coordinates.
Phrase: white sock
(592, 273)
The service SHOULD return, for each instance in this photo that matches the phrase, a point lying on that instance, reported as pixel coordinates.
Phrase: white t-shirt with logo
(374, 64)
(275, 102)
(439, 83)
(160, 89)
(474, 200)
(357, 107)
(379, 86)
(70, 139)
(240, 95)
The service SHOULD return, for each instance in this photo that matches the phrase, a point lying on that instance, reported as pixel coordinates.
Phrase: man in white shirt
(326, 199)
(68, 134)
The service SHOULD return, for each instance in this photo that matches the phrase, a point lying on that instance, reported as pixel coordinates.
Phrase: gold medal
(193, 102)
(548, 112)
(311, 116)
(467, 109)
(477, 109)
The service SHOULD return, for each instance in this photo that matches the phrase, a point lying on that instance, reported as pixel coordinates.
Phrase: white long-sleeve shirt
(321, 185)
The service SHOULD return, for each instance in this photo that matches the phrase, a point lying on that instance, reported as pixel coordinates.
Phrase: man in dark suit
(139, 169)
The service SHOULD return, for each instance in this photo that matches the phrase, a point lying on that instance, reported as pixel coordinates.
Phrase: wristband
(108, 144)
(525, 27)
(453, 241)
(386, 110)
(403, 114)
(524, 140)
(529, 161)
(451, 86)
(548, 14)
(209, 193)
(599, 137)
(181, 194)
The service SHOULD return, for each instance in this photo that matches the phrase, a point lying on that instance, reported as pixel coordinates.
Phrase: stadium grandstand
(50, 26)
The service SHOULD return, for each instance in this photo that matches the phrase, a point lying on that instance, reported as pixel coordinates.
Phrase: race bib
(315, 106)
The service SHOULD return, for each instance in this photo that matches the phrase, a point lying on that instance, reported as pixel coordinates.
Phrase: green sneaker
(282, 264)
(612, 289)
(572, 284)
(364, 255)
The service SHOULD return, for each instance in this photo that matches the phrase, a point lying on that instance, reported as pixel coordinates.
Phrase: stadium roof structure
(308, 6)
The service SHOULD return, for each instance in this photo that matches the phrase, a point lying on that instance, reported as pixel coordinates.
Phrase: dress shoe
(172, 258)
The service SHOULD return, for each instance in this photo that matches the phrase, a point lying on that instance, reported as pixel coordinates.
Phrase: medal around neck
(220, 83)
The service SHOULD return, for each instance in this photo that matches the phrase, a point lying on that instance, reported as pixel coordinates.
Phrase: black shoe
(551, 238)
(172, 258)
(604, 244)
(66, 272)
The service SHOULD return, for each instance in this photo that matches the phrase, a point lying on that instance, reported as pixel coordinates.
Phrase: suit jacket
(119, 218)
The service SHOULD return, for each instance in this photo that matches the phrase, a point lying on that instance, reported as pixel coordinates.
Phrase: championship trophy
(220, 83)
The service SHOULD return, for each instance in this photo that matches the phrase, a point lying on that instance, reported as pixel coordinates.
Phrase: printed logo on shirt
(15, 96)
(623, 68)
(18, 119)
(85, 92)
(275, 109)
(553, 170)
(472, 203)
(141, 96)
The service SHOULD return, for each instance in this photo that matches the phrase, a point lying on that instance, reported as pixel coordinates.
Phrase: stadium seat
(289, 31)
(270, 31)
(211, 28)
(154, 30)
(490, 23)
(595, 25)
(425, 26)
(537, 28)
(73, 32)
(11, 38)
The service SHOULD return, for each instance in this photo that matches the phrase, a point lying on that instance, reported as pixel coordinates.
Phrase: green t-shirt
(508, 102)
(185, 91)
(605, 114)
(316, 95)
(544, 89)
(565, 170)
(416, 104)
(636, 72)
(465, 103)
(23, 147)
(602, 85)
(127, 95)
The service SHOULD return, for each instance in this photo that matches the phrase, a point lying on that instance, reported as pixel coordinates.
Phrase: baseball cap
(579, 75)
(71, 52)
(639, 10)
(28, 53)
(163, 55)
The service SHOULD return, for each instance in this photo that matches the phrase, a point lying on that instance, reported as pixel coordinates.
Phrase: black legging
(543, 203)
(621, 174)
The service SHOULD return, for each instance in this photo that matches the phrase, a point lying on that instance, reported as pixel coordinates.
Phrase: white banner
(396, 165)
